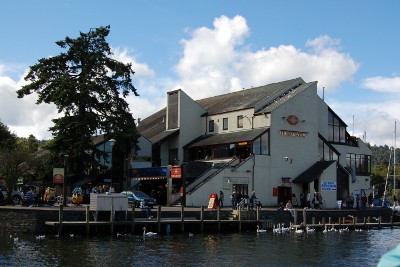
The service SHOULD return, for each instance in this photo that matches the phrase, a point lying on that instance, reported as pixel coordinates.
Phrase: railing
(208, 175)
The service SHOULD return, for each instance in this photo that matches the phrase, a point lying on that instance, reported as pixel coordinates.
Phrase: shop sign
(328, 186)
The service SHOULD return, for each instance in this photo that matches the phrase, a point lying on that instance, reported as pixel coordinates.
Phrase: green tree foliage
(8, 140)
(88, 87)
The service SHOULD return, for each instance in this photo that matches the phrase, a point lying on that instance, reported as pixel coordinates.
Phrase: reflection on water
(252, 249)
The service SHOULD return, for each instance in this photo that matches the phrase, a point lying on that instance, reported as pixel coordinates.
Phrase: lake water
(239, 249)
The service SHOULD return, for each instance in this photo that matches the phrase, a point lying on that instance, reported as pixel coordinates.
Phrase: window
(225, 124)
(211, 126)
(336, 128)
(361, 164)
(326, 152)
(261, 145)
(240, 121)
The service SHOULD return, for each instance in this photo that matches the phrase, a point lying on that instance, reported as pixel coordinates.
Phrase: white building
(280, 140)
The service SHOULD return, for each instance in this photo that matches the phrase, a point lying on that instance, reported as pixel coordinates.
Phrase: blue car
(135, 197)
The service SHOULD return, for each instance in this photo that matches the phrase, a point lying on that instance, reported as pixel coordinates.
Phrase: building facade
(280, 140)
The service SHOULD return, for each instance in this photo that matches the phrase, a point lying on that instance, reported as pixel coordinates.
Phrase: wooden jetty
(182, 220)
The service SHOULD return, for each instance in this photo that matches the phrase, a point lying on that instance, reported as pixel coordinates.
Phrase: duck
(260, 230)
(148, 233)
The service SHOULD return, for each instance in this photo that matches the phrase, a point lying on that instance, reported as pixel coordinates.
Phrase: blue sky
(212, 47)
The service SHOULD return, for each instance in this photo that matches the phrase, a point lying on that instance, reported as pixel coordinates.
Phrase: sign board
(213, 201)
(328, 186)
(176, 172)
(58, 175)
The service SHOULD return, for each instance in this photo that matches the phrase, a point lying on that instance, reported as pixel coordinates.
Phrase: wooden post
(323, 221)
(133, 219)
(295, 217)
(112, 220)
(60, 219)
(202, 219)
(159, 218)
(305, 218)
(87, 220)
(258, 213)
(379, 222)
(355, 220)
(313, 220)
(218, 219)
(182, 219)
(329, 220)
(391, 221)
(240, 220)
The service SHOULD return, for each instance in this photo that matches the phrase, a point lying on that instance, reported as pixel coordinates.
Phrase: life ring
(77, 199)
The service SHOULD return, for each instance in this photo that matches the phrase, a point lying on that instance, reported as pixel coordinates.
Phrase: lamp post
(112, 142)
(64, 180)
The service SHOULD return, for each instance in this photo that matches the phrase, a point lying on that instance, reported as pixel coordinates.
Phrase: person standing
(221, 199)
(364, 201)
(252, 199)
(233, 200)
(394, 201)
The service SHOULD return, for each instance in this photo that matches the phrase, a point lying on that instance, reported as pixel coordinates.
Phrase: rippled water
(247, 249)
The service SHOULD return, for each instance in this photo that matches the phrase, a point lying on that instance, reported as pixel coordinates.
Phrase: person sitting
(281, 207)
(289, 207)
(145, 209)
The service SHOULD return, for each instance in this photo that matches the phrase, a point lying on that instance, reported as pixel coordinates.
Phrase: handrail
(203, 179)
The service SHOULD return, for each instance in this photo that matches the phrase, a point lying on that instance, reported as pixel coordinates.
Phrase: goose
(260, 230)
(148, 233)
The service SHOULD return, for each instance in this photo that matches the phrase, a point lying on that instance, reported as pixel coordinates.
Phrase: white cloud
(214, 61)
(383, 84)
(22, 115)
(122, 55)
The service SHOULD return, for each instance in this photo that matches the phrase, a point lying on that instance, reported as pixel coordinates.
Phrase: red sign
(213, 202)
(292, 120)
(275, 191)
(176, 172)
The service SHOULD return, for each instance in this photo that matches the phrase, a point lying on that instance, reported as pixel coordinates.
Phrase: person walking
(252, 199)
(221, 199)
(233, 200)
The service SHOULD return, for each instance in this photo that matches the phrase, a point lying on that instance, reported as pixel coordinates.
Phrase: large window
(336, 128)
(326, 152)
(261, 144)
(240, 121)
(211, 126)
(361, 164)
(225, 124)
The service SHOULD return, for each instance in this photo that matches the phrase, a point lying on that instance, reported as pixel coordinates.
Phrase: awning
(312, 173)
(230, 138)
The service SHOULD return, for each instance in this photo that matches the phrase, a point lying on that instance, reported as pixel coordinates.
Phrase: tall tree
(88, 86)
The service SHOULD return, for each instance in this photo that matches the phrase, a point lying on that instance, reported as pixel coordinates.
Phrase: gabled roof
(229, 138)
(263, 99)
(313, 173)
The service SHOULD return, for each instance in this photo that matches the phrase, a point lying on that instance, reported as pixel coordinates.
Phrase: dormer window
(240, 121)
(225, 124)
(211, 126)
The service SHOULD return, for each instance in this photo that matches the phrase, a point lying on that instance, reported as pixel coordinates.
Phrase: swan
(298, 231)
(310, 230)
(40, 237)
(260, 230)
(325, 230)
(190, 234)
(148, 233)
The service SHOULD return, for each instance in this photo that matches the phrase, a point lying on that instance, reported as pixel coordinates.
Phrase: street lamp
(65, 178)
(112, 142)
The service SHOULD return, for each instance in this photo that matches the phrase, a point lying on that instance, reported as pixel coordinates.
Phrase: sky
(211, 47)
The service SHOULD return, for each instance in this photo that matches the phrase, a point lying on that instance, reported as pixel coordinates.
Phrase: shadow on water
(249, 249)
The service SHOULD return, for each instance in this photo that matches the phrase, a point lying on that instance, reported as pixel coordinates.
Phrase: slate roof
(228, 138)
(313, 173)
(244, 99)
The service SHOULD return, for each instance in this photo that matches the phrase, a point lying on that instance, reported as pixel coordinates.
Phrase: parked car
(135, 197)
(16, 196)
